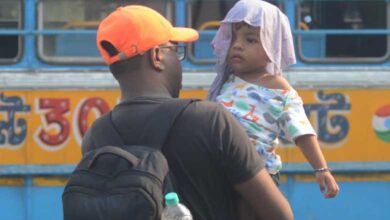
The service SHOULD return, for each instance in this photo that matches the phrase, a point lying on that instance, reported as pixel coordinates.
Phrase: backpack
(126, 182)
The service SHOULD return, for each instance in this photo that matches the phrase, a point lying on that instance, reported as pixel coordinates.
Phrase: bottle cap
(171, 199)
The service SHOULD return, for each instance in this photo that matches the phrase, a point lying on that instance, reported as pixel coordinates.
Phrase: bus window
(200, 18)
(343, 15)
(10, 18)
(77, 45)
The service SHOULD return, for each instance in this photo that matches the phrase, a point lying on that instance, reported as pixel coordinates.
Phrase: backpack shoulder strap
(155, 130)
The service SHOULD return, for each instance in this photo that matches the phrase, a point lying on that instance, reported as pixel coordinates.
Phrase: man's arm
(245, 167)
(262, 195)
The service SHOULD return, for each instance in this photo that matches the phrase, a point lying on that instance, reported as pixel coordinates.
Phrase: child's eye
(252, 40)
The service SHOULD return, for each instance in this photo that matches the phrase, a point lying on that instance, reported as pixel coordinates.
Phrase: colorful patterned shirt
(267, 115)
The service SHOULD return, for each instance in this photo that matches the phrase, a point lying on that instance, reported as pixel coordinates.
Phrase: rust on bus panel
(46, 127)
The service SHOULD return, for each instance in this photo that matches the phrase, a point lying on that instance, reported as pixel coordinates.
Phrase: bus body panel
(53, 85)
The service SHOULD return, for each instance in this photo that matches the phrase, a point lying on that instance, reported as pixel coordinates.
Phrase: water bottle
(174, 210)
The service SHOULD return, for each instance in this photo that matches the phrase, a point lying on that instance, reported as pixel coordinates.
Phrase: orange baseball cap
(135, 29)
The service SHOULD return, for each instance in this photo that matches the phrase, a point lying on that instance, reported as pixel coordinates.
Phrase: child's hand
(328, 184)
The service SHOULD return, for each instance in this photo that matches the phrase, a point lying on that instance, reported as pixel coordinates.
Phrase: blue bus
(54, 84)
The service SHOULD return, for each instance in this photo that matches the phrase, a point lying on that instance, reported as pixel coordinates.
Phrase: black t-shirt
(207, 151)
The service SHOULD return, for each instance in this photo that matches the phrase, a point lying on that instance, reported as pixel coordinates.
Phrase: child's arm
(307, 143)
(311, 149)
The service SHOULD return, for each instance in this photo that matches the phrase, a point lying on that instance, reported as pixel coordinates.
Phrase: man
(209, 154)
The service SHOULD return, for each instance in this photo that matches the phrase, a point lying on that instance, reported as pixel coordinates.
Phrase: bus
(54, 84)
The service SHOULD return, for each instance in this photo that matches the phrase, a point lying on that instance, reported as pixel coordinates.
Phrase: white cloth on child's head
(275, 36)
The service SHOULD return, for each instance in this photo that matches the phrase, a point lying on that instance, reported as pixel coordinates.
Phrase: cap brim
(184, 35)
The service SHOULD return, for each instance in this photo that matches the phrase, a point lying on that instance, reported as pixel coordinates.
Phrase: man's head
(137, 37)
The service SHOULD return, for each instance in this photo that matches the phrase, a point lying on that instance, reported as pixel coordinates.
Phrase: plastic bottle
(174, 210)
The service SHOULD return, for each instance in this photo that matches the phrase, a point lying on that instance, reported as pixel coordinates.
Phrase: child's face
(246, 54)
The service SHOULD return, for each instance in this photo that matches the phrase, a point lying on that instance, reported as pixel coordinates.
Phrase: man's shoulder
(205, 108)
(207, 114)
(100, 121)
(206, 104)
(97, 128)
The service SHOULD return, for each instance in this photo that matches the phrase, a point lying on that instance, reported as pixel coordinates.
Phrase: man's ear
(156, 57)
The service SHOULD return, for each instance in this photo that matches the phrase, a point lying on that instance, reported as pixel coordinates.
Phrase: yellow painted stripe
(283, 178)
(11, 181)
(34, 151)
(50, 181)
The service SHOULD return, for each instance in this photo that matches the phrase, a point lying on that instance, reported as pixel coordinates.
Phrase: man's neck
(145, 85)
(132, 94)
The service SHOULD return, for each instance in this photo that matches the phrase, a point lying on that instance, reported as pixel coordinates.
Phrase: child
(249, 84)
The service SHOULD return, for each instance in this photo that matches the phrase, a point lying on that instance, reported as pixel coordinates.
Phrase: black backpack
(127, 182)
